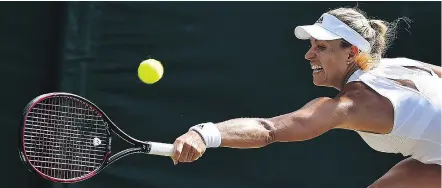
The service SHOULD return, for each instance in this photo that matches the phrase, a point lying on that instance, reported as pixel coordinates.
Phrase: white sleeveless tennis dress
(417, 114)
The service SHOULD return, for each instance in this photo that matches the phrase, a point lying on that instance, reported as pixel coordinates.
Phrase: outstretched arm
(296, 126)
(315, 118)
(355, 108)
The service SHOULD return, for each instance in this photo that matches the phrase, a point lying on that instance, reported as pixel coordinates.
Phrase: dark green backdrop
(222, 60)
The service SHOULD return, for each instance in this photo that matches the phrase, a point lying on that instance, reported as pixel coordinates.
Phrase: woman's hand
(188, 148)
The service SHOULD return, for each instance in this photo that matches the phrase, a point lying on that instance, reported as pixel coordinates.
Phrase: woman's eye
(321, 48)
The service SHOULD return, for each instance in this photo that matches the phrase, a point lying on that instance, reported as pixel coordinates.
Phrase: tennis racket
(65, 138)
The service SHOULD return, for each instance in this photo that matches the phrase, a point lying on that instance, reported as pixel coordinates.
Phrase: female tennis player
(393, 104)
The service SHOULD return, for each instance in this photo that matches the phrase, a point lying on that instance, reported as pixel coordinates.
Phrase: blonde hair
(378, 33)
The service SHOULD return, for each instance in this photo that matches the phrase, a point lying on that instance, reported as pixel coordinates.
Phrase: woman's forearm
(246, 132)
(259, 132)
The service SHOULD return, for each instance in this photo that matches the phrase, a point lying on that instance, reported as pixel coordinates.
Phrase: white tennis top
(417, 114)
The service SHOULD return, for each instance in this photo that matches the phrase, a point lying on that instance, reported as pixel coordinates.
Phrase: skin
(356, 107)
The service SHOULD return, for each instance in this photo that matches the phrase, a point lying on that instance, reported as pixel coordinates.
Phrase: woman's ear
(354, 52)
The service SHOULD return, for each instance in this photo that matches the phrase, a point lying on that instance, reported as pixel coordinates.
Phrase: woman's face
(328, 60)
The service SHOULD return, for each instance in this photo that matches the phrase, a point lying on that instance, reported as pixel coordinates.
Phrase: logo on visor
(320, 20)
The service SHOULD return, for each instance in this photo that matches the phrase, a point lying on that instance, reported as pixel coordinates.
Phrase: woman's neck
(350, 70)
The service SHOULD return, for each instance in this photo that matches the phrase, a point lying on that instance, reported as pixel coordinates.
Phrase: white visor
(329, 27)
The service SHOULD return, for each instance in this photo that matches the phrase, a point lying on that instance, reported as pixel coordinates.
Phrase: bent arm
(315, 118)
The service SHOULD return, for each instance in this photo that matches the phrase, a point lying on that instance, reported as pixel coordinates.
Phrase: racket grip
(161, 149)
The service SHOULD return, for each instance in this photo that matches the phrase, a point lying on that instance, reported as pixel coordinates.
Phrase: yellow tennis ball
(150, 71)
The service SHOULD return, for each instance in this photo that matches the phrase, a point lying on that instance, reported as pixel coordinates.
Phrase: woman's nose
(310, 55)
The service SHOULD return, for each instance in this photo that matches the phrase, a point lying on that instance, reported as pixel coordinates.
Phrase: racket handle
(161, 149)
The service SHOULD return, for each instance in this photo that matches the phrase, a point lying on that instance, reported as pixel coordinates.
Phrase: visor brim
(315, 31)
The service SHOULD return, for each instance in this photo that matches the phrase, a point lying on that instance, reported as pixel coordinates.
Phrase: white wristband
(210, 134)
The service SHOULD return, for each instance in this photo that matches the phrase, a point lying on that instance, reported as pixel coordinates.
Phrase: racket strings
(65, 138)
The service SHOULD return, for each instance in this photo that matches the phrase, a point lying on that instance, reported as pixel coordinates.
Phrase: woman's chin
(318, 79)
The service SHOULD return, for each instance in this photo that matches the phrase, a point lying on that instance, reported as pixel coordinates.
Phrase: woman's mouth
(317, 68)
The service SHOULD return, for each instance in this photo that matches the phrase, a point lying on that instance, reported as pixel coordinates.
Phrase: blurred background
(222, 60)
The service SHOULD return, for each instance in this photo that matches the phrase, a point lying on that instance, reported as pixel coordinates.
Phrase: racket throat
(146, 148)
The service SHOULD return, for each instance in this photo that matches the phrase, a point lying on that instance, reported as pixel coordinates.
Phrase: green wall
(222, 60)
